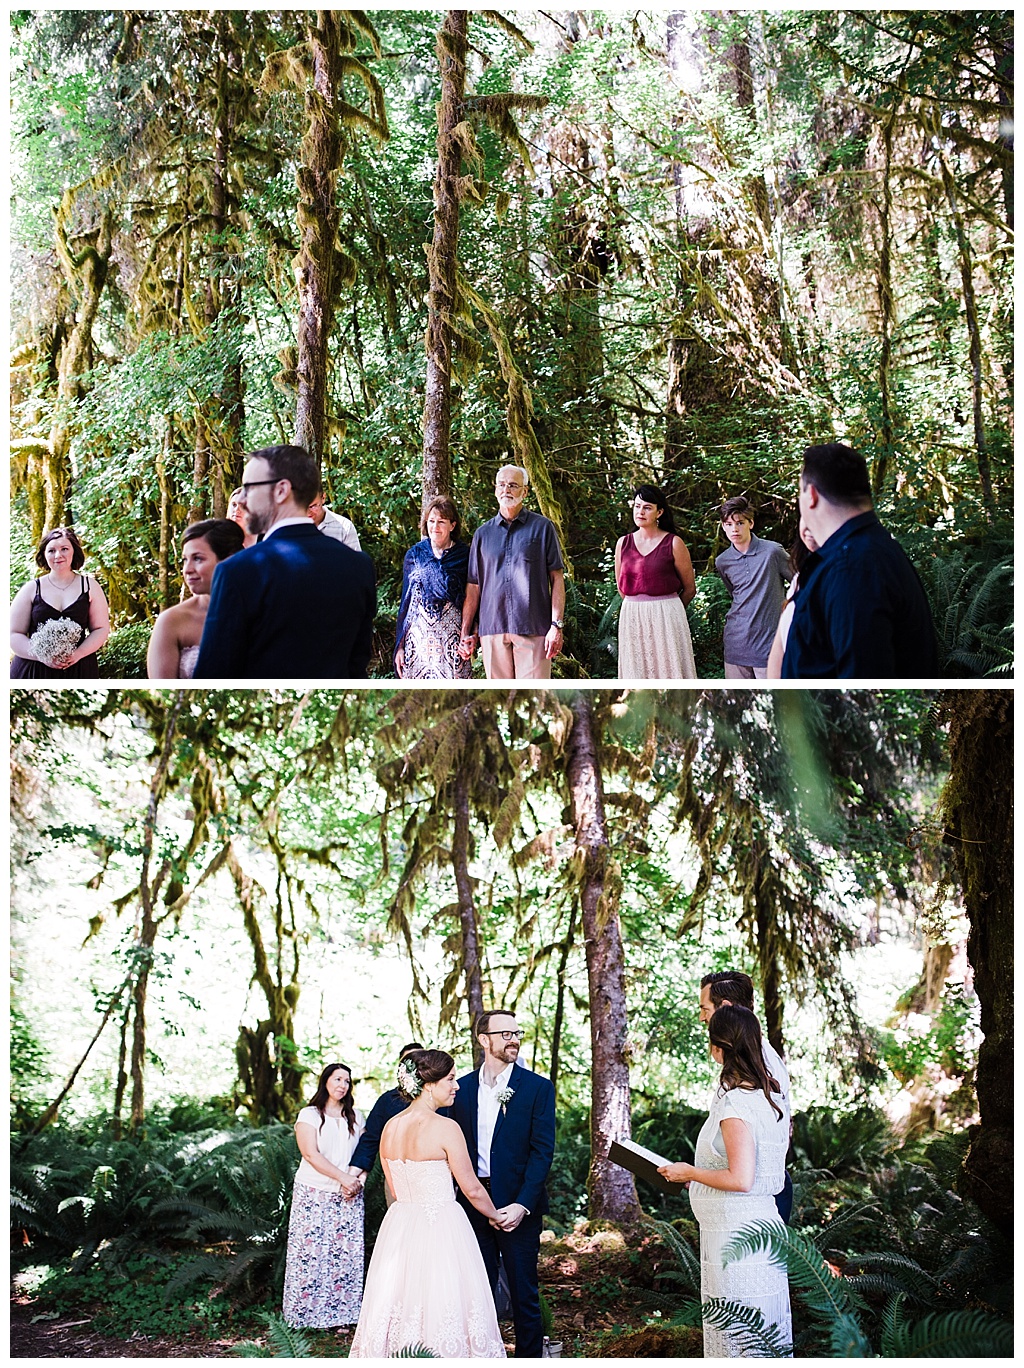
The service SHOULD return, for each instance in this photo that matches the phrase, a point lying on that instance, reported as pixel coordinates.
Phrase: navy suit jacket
(523, 1144)
(296, 605)
(389, 1104)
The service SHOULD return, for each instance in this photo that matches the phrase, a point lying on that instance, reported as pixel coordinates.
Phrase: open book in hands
(644, 1163)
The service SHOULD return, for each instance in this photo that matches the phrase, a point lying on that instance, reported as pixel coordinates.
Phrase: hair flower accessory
(505, 1097)
(409, 1081)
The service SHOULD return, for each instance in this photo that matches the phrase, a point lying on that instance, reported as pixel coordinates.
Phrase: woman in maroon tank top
(655, 577)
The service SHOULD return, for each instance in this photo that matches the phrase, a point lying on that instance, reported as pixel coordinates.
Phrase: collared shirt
(487, 1108)
(286, 522)
(340, 528)
(756, 581)
(512, 563)
(861, 611)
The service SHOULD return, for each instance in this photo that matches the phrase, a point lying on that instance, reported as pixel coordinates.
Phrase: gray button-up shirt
(512, 563)
(756, 581)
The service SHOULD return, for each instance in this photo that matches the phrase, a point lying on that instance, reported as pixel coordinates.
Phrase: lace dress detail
(754, 1281)
(187, 662)
(426, 1283)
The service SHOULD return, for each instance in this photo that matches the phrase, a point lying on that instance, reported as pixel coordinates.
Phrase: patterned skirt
(432, 644)
(654, 639)
(323, 1278)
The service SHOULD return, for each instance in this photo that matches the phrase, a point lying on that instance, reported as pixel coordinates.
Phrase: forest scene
(609, 247)
(216, 892)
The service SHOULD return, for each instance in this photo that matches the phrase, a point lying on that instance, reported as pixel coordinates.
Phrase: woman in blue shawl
(433, 589)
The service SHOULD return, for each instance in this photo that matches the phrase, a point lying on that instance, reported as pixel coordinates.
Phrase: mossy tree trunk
(319, 217)
(85, 260)
(612, 1189)
(467, 906)
(977, 805)
(442, 257)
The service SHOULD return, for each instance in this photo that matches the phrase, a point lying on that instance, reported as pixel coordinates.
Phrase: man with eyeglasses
(516, 583)
(297, 605)
(507, 1114)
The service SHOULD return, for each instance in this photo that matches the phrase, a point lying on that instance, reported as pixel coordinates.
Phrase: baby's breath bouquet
(55, 641)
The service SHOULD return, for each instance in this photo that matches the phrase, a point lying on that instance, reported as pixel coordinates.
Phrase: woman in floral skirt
(323, 1280)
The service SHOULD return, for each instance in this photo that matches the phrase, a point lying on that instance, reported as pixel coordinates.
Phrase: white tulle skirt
(427, 1284)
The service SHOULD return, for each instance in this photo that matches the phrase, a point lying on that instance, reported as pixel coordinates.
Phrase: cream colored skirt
(654, 639)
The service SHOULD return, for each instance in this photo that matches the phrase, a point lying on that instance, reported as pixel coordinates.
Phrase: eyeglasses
(507, 1035)
(511, 486)
(254, 483)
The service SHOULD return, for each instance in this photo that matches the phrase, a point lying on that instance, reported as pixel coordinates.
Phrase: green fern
(746, 1325)
(688, 1271)
(415, 1351)
(954, 1334)
(825, 1294)
(283, 1341)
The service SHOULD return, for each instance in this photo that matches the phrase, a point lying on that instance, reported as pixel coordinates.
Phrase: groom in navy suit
(297, 604)
(507, 1114)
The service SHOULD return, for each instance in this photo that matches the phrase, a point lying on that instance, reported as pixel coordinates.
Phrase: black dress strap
(85, 586)
(39, 580)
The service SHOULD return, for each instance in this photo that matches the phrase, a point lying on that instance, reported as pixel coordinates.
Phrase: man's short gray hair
(520, 470)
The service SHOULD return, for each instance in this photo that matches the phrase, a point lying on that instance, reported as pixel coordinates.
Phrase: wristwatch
(558, 622)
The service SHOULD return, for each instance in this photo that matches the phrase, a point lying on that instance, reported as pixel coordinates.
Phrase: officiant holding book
(507, 1114)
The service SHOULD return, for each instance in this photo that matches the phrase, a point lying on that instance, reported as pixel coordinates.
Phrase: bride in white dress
(740, 1165)
(426, 1283)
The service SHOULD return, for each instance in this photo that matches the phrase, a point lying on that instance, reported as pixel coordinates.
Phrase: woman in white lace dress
(427, 1284)
(740, 1165)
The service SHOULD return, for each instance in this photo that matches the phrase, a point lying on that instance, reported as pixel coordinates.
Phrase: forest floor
(594, 1284)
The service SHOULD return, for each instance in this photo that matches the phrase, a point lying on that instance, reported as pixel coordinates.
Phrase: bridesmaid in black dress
(61, 594)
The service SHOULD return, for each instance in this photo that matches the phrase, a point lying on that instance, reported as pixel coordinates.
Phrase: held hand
(467, 645)
(400, 662)
(350, 1187)
(512, 1215)
(552, 642)
(498, 1221)
(678, 1173)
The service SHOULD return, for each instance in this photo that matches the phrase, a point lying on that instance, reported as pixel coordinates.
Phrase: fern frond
(847, 1338)
(689, 1263)
(283, 1340)
(824, 1292)
(415, 1351)
(746, 1325)
(952, 1334)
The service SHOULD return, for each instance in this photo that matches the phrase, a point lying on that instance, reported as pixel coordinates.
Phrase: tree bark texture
(148, 923)
(977, 805)
(319, 217)
(886, 309)
(768, 961)
(973, 334)
(442, 258)
(467, 908)
(612, 1189)
(85, 260)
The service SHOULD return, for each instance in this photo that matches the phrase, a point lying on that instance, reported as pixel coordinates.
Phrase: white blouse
(333, 1141)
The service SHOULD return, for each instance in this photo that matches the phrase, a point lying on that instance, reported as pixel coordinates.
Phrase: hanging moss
(518, 416)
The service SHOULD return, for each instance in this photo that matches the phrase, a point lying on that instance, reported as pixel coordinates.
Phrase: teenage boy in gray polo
(755, 573)
(516, 582)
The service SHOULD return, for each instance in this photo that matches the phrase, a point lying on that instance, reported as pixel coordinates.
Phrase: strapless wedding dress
(426, 1283)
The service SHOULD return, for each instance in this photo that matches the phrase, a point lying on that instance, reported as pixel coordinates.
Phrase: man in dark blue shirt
(861, 611)
(389, 1104)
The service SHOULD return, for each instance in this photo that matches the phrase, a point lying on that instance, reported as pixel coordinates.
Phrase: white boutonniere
(505, 1097)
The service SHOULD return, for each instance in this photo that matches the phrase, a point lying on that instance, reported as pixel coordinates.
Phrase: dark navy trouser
(518, 1249)
(784, 1199)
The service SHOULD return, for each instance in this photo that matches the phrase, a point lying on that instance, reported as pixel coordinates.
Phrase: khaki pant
(746, 671)
(509, 656)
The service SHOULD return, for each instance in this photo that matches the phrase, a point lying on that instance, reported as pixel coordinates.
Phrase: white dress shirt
(340, 528)
(487, 1108)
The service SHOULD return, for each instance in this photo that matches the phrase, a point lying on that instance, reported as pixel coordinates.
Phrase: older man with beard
(516, 582)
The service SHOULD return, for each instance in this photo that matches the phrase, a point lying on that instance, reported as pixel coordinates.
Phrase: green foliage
(950, 1042)
(746, 1325)
(282, 1341)
(841, 1141)
(131, 1298)
(237, 1194)
(124, 654)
